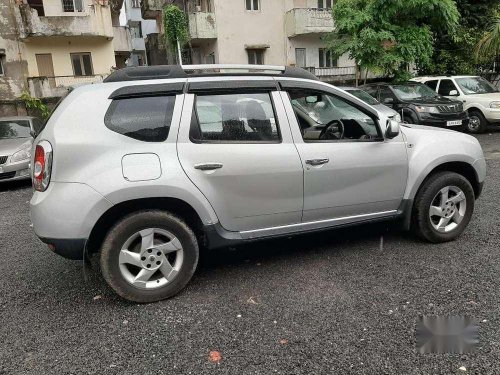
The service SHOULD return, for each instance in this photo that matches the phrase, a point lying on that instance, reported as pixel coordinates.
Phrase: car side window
(386, 95)
(371, 90)
(432, 84)
(326, 117)
(146, 119)
(37, 125)
(446, 87)
(234, 118)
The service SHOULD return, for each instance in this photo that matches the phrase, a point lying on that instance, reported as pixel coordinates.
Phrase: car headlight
(397, 117)
(426, 109)
(495, 105)
(21, 155)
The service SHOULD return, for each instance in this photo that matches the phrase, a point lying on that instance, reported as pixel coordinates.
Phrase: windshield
(409, 92)
(364, 96)
(475, 85)
(14, 129)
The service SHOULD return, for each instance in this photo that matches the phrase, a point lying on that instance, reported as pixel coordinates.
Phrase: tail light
(42, 166)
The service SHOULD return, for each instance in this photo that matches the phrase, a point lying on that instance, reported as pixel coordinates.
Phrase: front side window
(326, 59)
(252, 4)
(82, 64)
(326, 117)
(238, 118)
(14, 129)
(413, 91)
(72, 5)
(475, 85)
(364, 96)
(255, 56)
(432, 84)
(386, 95)
(446, 87)
(145, 119)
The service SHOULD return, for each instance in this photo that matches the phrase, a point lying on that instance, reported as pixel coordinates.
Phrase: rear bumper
(67, 248)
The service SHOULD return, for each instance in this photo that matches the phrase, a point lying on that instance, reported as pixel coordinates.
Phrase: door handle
(314, 162)
(208, 166)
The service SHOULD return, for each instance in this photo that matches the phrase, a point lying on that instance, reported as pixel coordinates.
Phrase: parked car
(420, 105)
(480, 98)
(160, 163)
(368, 99)
(16, 139)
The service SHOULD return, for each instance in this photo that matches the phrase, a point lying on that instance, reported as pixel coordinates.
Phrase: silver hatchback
(159, 163)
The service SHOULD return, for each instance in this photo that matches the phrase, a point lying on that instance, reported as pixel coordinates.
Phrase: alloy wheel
(151, 258)
(447, 209)
(474, 123)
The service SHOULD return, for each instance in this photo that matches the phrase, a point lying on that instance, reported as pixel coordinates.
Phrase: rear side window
(146, 119)
(432, 84)
(236, 118)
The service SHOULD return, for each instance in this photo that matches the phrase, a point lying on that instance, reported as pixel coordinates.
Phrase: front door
(300, 57)
(351, 173)
(237, 149)
(46, 67)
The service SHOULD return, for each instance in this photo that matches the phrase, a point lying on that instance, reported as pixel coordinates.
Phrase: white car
(481, 99)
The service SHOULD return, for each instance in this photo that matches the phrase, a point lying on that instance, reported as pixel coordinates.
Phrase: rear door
(236, 147)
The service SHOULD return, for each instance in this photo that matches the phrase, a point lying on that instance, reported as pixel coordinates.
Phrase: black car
(418, 104)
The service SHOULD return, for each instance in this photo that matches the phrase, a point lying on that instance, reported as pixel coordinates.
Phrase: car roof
(426, 78)
(14, 118)
(391, 84)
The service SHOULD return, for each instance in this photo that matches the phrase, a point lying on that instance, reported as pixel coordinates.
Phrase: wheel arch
(176, 206)
(461, 167)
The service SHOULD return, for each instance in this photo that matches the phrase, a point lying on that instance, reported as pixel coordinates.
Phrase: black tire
(118, 235)
(421, 222)
(477, 122)
(410, 118)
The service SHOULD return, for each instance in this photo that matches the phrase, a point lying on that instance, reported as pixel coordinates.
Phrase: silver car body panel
(262, 189)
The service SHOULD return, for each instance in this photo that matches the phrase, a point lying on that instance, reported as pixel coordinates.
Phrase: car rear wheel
(149, 256)
(443, 207)
(477, 122)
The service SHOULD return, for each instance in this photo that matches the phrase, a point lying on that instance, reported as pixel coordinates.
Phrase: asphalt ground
(337, 302)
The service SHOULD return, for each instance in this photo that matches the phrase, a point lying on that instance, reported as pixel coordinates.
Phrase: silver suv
(159, 162)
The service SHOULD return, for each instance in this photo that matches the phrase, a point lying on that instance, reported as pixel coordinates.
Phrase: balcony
(303, 21)
(151, 9)
(121, 39)
(202, 26)
(87, 23)
(138, 44)
(53, 87)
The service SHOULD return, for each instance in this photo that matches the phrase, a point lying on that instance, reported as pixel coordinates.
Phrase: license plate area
(454, 123)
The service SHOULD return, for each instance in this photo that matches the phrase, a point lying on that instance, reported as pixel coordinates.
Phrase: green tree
(176, 29)
(488, 47)
(387, 36)
(453, 51)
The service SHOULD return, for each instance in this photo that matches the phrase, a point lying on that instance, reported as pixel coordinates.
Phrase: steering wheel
(333, 130)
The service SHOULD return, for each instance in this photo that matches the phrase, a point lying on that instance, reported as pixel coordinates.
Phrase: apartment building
(48, 45)
(138, 29)
(275, 32)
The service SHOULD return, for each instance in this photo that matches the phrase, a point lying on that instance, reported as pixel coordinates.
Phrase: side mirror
(388, 100)
(33, 134)
(453, 93)
(392, 129)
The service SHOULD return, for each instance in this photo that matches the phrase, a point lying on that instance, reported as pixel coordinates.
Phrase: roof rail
(184, 71)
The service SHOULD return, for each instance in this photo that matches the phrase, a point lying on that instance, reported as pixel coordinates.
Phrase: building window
(2, 71)
(72, 5)
(326, 60)
(82, 64)
(252, 4)
(136, 31)
(210, 59)
(325, 4)
(136, 4)
(255, 56)
(300, 57)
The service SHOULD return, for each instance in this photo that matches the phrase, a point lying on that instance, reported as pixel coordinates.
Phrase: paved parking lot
(336, 302)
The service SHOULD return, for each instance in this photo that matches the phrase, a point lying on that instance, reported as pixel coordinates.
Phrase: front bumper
(492, 115)
(441, 119)
(15, 171)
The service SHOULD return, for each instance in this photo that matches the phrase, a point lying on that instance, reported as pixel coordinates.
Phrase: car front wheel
(477, 122)
(443, 207)
(149, 256)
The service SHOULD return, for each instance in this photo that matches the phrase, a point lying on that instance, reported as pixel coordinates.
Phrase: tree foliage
(389, 35)
(453, 52)
(175, 25)
(489, 46)
(35, 104)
